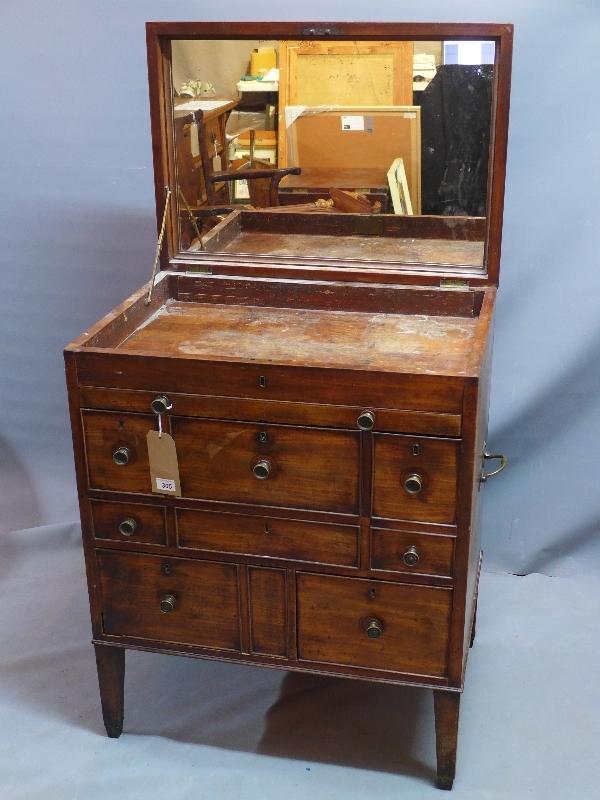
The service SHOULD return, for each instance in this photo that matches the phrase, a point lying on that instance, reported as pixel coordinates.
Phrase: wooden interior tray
(411, 330)
(382, 238)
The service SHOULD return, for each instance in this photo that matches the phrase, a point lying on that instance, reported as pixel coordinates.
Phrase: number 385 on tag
(166, 485)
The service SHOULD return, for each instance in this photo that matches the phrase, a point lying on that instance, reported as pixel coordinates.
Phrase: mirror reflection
(374, 151)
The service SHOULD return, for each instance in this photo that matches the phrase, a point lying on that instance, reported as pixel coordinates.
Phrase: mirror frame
(158, 40)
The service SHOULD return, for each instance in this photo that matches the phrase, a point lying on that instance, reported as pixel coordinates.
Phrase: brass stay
(159, 244)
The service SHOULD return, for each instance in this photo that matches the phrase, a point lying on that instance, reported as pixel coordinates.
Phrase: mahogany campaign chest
(280, 440)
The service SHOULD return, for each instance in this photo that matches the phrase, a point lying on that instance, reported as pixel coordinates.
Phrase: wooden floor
(364, 248)
(388, 342)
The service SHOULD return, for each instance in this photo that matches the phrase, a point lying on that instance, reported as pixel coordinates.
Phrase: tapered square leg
(110, 662)
(446, 706)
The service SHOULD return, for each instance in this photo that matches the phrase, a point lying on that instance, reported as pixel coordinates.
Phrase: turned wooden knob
(262, 469)
(122, 456)
(413, 483)
(411, 556)
(373, 628)
(168, 603)
(161, 404)
(366, 420)
(127, 526)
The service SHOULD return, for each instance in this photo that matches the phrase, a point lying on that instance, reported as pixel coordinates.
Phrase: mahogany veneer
(329, 419)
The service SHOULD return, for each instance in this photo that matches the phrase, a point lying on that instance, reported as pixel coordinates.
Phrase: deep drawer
(169, 599)
(373, 624)
(417, 553)
(128, 522)
(272, 465)
(269, 537)
(415, 478)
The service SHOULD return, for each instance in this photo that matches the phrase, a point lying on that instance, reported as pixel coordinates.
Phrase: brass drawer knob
(262, 469)
(128, 526)
(161, 404)
(411, 557)
(168, 603)
(366, 420)
(122, 456)
(373, 628)
(413, 483)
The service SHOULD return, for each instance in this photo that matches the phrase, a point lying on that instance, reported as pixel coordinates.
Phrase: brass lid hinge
(453, 283)
(159, 244)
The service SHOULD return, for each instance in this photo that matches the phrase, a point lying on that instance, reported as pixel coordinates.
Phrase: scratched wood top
(336, 339)
(364, 248)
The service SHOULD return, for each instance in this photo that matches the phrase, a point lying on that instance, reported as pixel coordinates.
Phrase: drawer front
(129, 522)
(418, 553)
(263, 536)
(173, 600)
(105, 435)
(301, 467)
(373, 624)
(415, 478)
(267, 603)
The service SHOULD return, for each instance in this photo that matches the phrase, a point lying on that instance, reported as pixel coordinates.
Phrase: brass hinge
(200, 269)
(453, 283)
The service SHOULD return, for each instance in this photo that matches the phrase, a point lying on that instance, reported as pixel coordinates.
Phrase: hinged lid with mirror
(348, 150)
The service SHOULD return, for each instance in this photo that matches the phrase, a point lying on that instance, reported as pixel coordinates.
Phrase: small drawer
(373, 624)
(268, 537)
(418, 553)
(116, 450)
(129, 522)
(172, 600)
(271, 465)
(415, 478)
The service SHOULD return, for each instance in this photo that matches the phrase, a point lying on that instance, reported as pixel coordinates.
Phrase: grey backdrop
(77, 226)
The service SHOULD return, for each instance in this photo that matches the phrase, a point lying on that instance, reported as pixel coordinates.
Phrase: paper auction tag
(164, 469)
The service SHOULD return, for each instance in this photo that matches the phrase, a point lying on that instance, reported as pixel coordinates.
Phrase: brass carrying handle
(495, 456)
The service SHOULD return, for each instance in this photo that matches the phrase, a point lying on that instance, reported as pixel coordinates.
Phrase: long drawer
(289, 539)
(373, 624)
(272, 465)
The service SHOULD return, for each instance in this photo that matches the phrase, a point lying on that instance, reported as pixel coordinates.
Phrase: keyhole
(262, 382)
(371, 594)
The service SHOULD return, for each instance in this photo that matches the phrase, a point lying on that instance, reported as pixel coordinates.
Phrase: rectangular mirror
(368, 151)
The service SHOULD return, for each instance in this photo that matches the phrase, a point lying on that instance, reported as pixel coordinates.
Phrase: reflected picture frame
(399, 191)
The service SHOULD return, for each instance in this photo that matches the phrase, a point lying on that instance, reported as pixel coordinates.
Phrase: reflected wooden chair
(263, 179)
